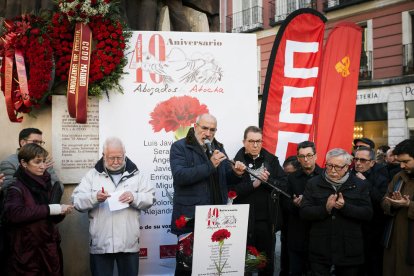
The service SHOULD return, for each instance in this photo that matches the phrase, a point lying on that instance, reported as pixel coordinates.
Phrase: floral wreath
(109, 41)
(28, 33)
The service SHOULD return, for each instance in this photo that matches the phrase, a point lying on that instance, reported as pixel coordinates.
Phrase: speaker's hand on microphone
(217, 158)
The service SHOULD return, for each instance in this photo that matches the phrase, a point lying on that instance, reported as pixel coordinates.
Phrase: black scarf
(39, 186)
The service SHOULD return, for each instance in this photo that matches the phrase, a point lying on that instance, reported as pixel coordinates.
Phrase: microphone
(208, 145)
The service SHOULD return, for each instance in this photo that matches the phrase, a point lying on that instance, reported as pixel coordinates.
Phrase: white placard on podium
(208, 255)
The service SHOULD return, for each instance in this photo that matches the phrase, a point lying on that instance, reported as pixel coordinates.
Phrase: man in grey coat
(10, 165)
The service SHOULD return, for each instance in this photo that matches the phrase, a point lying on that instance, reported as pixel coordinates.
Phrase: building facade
(385, 97)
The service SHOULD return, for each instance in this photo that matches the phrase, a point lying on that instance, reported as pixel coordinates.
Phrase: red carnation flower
(220, 235)
(181, 222)
(252, 250)
(176, 112)
(232, 195)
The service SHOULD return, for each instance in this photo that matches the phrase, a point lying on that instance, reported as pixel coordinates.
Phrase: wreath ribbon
(78, 78)
(21, 73)
(8, 87)
(8, 84)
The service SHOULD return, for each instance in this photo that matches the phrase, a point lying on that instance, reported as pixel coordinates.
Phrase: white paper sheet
(114, 203)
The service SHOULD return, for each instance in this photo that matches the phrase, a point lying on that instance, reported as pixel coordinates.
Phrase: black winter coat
(263, 206)
(336, 238)
(298, 228)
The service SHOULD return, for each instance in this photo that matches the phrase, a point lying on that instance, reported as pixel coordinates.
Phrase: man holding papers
(113, 193)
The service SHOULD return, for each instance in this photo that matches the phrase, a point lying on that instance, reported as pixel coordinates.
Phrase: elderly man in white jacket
(114, 235)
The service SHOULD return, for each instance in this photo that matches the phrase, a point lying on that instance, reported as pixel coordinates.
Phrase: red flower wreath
(28, 34)
(107, 57)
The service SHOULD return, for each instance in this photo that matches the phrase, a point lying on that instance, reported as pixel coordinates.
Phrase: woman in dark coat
(32, 217)
(336, 202)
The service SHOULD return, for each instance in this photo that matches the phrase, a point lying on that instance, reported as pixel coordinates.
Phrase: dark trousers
(103, 264)
(298, 262)
(264, 240)
(325, 270)
(284, 254)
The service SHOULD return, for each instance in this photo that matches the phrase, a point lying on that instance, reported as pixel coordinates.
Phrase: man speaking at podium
(201, 173)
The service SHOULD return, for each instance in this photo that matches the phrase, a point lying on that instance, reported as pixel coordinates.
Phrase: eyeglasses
(336, 167)
(362, 160)
(117, 158)
(255, 142)
(40, 143)
(308, 156)
(204, 128)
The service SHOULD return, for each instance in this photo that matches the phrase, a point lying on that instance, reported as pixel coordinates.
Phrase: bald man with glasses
(201, 175)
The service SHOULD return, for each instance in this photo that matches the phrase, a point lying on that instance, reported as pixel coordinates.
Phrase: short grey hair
(207, 116)
(338, 152)
(113, 142)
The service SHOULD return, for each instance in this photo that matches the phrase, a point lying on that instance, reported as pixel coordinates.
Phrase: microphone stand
(249, 171)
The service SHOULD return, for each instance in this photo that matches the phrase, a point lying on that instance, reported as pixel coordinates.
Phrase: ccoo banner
(291, 85)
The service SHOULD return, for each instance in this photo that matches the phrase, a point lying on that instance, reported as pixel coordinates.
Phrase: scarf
(39, 186)
(336, 184)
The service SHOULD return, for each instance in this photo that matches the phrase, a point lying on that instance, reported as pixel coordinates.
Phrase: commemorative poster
(170, 79)
(220, 239)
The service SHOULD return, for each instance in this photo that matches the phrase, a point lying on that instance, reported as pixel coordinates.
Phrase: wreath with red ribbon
(109, 41)
(25, 47)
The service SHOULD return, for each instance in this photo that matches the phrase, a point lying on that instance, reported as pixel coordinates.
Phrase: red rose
(220, 235)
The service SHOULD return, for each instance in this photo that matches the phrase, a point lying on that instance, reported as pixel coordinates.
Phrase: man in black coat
(364, 162)
(336, 203)
(298, 228)
(264, 214)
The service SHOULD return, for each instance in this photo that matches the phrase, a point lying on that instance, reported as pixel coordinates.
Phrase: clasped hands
(125, 197)
(264, 176)
(336, 201)
(396, 199)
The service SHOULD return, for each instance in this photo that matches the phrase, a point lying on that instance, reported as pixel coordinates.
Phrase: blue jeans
(103, 264)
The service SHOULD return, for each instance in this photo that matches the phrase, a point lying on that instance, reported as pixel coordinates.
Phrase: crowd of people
(31, 209)
(353, 216)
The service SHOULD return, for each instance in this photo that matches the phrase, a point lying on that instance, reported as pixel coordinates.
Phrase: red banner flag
(338, 89)
(290, 89)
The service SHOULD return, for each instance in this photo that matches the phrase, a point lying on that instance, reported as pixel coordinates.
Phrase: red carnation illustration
(177, 114)
(219, 236)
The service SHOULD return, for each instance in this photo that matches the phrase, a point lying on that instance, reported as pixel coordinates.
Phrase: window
(247, 15)
(407, 41)
(371, 121)
(365, 67)
(285, 7)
